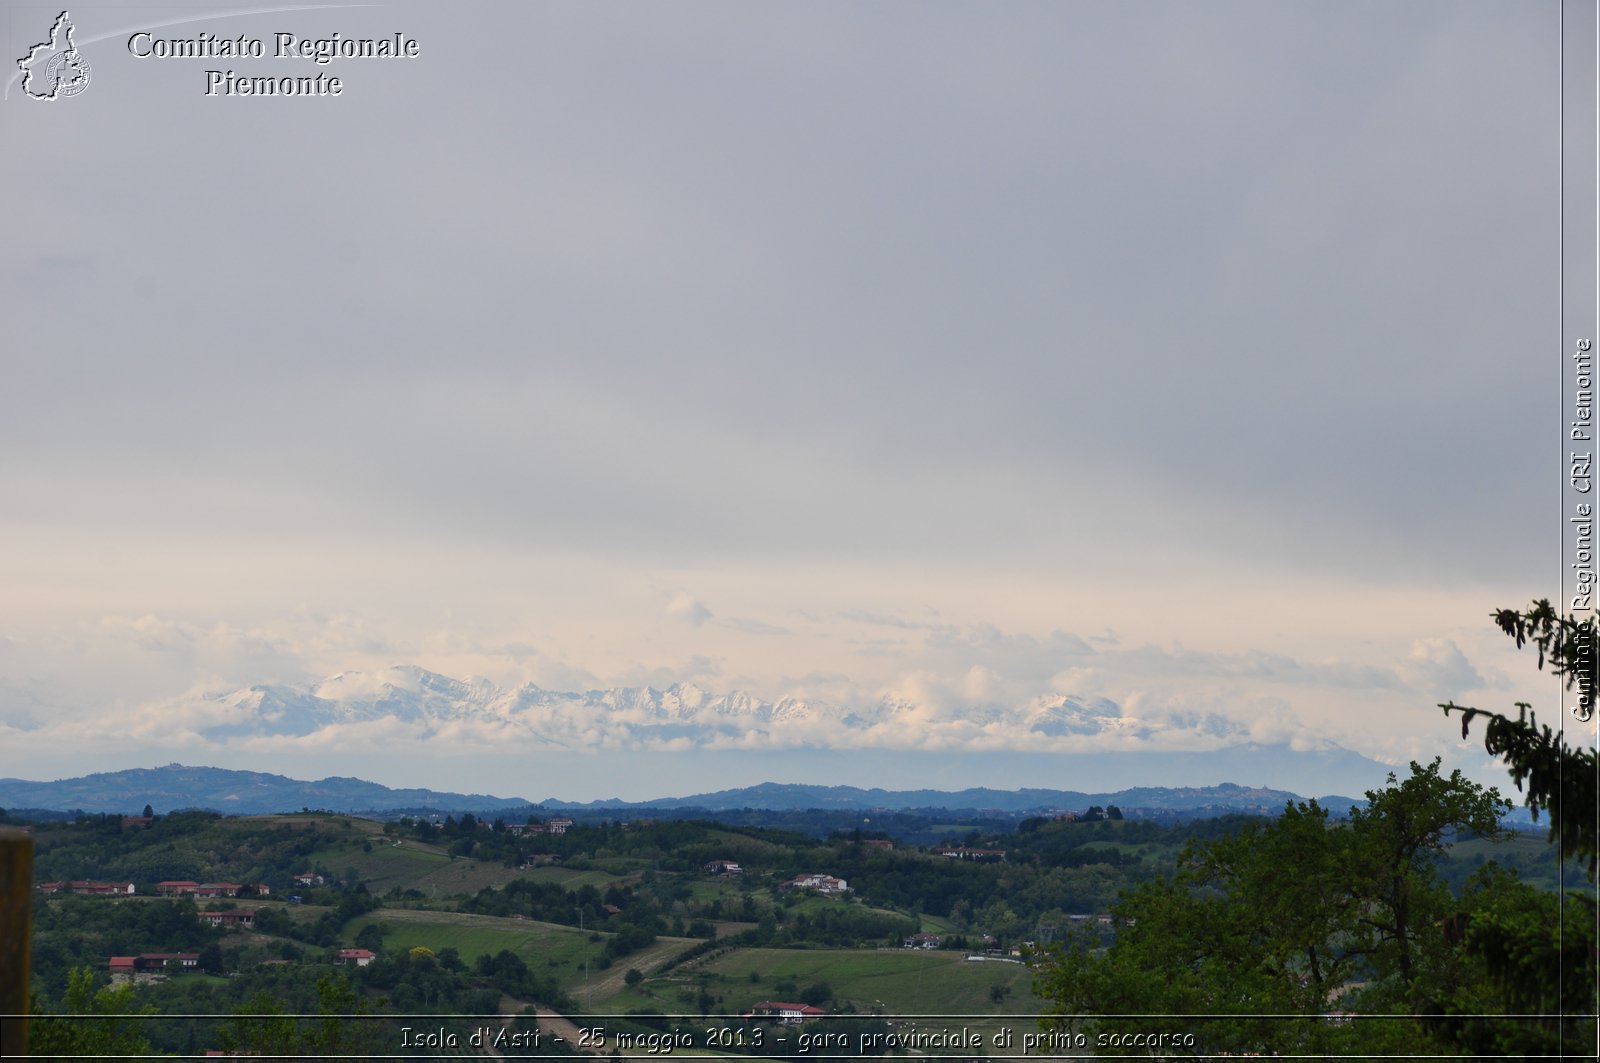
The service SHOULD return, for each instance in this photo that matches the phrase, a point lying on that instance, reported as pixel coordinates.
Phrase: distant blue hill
(177, 786)
(1220, 799)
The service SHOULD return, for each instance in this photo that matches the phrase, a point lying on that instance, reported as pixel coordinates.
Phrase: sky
(927, 364)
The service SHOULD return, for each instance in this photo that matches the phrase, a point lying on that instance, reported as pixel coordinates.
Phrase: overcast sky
(947, 356)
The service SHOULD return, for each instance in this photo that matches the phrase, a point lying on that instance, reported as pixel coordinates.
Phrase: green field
(476, 935)
(547, 948)
(893, 981)
(573, 879)
(1529, 854)
(413, 866)
(434, 873)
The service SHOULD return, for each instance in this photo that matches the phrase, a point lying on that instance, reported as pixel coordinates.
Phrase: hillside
(636, 918)
(177, 786)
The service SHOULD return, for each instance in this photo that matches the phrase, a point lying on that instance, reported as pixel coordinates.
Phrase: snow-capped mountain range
(428, 704)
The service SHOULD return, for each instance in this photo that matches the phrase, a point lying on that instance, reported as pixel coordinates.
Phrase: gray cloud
(687, 608)
(940, 332)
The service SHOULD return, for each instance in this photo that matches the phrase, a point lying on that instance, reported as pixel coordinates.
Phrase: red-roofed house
(359, 957)
(216, 889)
(243, 918)
(151, 966)
(787, 1014)
(101, 889)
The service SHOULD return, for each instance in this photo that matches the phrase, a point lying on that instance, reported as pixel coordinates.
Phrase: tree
(816, 994)
(1400, 832)
(1558, 779)
(1539, 951)
(98, 1021)
(1179, 950)
(1298, 877)
(370, 937)
(337, 1003)
(1282, 918)
(1536, 961)
(211, 960)
(260, 1027)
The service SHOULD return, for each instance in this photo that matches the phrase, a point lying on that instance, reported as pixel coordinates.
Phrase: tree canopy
(1306, 935)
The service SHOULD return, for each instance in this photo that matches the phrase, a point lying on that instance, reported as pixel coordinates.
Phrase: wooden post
(16, 892)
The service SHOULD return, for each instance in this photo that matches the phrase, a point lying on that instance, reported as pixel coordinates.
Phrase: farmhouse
(244, 918)
(215, 889)
(358, 957)
(150, 966)
(101, 889)
(961, 852)
(722, 868)
(787, 1014)
(826, 884)
(549, 826)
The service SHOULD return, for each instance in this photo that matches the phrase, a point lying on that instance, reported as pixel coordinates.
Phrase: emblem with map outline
(55, 69)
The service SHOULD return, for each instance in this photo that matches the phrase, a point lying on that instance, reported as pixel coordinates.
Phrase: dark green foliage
(1289, 918)
(1556, 778)
(1399, 835)
(1540, 952)
(102, 1021)
(199, 846)
(1303, 916)
(816, 994)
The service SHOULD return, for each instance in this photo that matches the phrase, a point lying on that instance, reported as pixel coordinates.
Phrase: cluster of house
(186, 888)
(172, 888)
(549, 826)
(825, 884)
(155, 966)
(820, 883)
(1102, 919)
(87, 888)
(961, 852)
